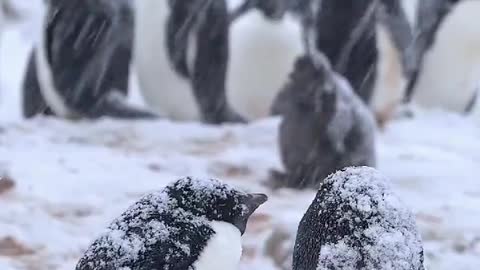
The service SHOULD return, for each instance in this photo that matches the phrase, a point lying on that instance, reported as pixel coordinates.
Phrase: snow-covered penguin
(190, 224)
(356, 222)
(325, 126)
(447, 49)
(80, 67)
(194, 62)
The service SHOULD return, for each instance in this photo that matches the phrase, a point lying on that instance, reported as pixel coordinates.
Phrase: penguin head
(321, 87)
(356, 222)
(215, 200)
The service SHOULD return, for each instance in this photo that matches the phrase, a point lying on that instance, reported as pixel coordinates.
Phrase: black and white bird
(190, 224)
(325, 125)
(356, 222)
(365, 41)
(195, 62)
(80, 67)
(447, 49)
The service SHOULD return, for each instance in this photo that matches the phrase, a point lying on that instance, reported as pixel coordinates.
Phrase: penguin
(190, 224)
(325, 126)
(446, 47)
(357, 222)
(349, 32)
(80, 67)
(203, 65)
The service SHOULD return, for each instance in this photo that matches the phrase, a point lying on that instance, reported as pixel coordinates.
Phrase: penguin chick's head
(215, 200)
(312, 88)
(357, 223)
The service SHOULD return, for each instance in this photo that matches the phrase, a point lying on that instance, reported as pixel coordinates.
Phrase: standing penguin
(350, 33)
(447, 49)
(181, 53)
(325, 126)
(191, 224)
(203, 65)
(80, 67)
(357, 222)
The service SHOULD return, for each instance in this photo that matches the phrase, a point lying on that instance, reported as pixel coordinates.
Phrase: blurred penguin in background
(213, 61)
(366, 42)
(80, 67)
(447, 53)
(325, 125)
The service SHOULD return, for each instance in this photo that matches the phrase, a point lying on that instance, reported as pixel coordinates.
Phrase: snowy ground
(71, 178)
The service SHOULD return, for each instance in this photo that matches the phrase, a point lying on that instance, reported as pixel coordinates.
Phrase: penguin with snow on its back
(356, 222)
(325, 125)
(447, 50)
(80, 67)
(190, 224)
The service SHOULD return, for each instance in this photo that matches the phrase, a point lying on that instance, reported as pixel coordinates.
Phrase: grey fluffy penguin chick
(190, 224)
(356, 222)
(325, 126)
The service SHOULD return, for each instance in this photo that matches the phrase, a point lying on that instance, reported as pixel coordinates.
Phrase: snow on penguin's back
(356, 222)
(172, 228)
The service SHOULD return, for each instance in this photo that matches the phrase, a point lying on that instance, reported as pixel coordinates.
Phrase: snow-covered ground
(72, 178)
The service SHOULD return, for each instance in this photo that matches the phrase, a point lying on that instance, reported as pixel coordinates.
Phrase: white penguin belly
(223, 250)
(162, 88)
(450, 71)
(390, 81)
(45, 79)
(262, 54)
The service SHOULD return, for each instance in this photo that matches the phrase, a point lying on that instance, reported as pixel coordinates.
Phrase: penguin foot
(226, 115)
(115, 106)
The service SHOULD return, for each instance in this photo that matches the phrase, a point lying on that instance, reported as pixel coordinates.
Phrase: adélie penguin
(447, 51)
(194, 62)
(190, 224)
(80, 67)
(356, 222)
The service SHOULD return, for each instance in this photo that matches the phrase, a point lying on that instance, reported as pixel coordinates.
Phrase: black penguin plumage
(357, 222)
(169, 229)
(87, 46)
(325, 126)
(346, 32)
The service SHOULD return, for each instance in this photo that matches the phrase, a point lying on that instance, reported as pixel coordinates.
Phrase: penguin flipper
(210, 67)
(88, 59)
(33, 102)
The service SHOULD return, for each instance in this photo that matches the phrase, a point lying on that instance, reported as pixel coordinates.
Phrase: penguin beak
(255, 200)
(252, 202)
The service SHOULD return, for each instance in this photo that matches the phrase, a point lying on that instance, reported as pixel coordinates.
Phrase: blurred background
(64, 181)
